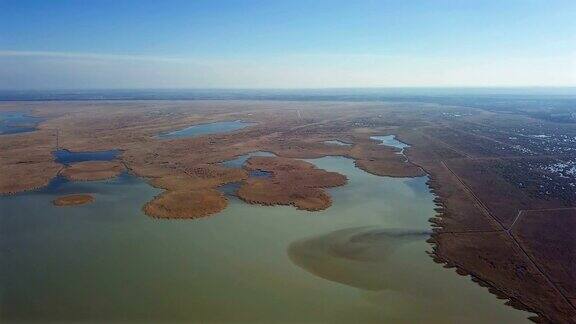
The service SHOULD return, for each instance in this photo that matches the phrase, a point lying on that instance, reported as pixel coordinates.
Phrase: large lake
(362, 260)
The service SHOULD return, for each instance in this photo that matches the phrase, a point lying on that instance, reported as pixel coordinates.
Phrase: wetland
(272, 222)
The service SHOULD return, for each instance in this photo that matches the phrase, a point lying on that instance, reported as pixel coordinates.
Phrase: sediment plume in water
(357, 257)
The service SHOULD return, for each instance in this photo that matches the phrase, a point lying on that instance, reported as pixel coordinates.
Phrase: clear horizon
(296, 45)
(322, 94)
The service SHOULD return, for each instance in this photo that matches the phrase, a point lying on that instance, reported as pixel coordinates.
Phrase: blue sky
(286, 44)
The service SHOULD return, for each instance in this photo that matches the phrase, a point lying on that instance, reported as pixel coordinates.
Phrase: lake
(206, 129)
(362, 260)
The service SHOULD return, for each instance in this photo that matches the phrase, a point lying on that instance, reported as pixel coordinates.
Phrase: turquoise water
(206, 129)
(14, 123)
(362, 260)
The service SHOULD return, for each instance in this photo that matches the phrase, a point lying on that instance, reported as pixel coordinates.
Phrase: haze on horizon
(292, 44)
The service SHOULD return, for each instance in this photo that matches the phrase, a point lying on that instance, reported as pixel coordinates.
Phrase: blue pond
(205, 129)
(66, 157)
(14, 123)
(59, 185)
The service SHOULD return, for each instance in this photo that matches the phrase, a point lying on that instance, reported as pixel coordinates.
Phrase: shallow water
(362, 260)
(67, 157)
(14, 123)
(206, 129)
(390, 140)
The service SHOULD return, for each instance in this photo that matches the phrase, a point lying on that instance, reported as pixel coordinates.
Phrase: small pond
(14, 123)
(206, 129)
(337, 142)
(390, 140)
